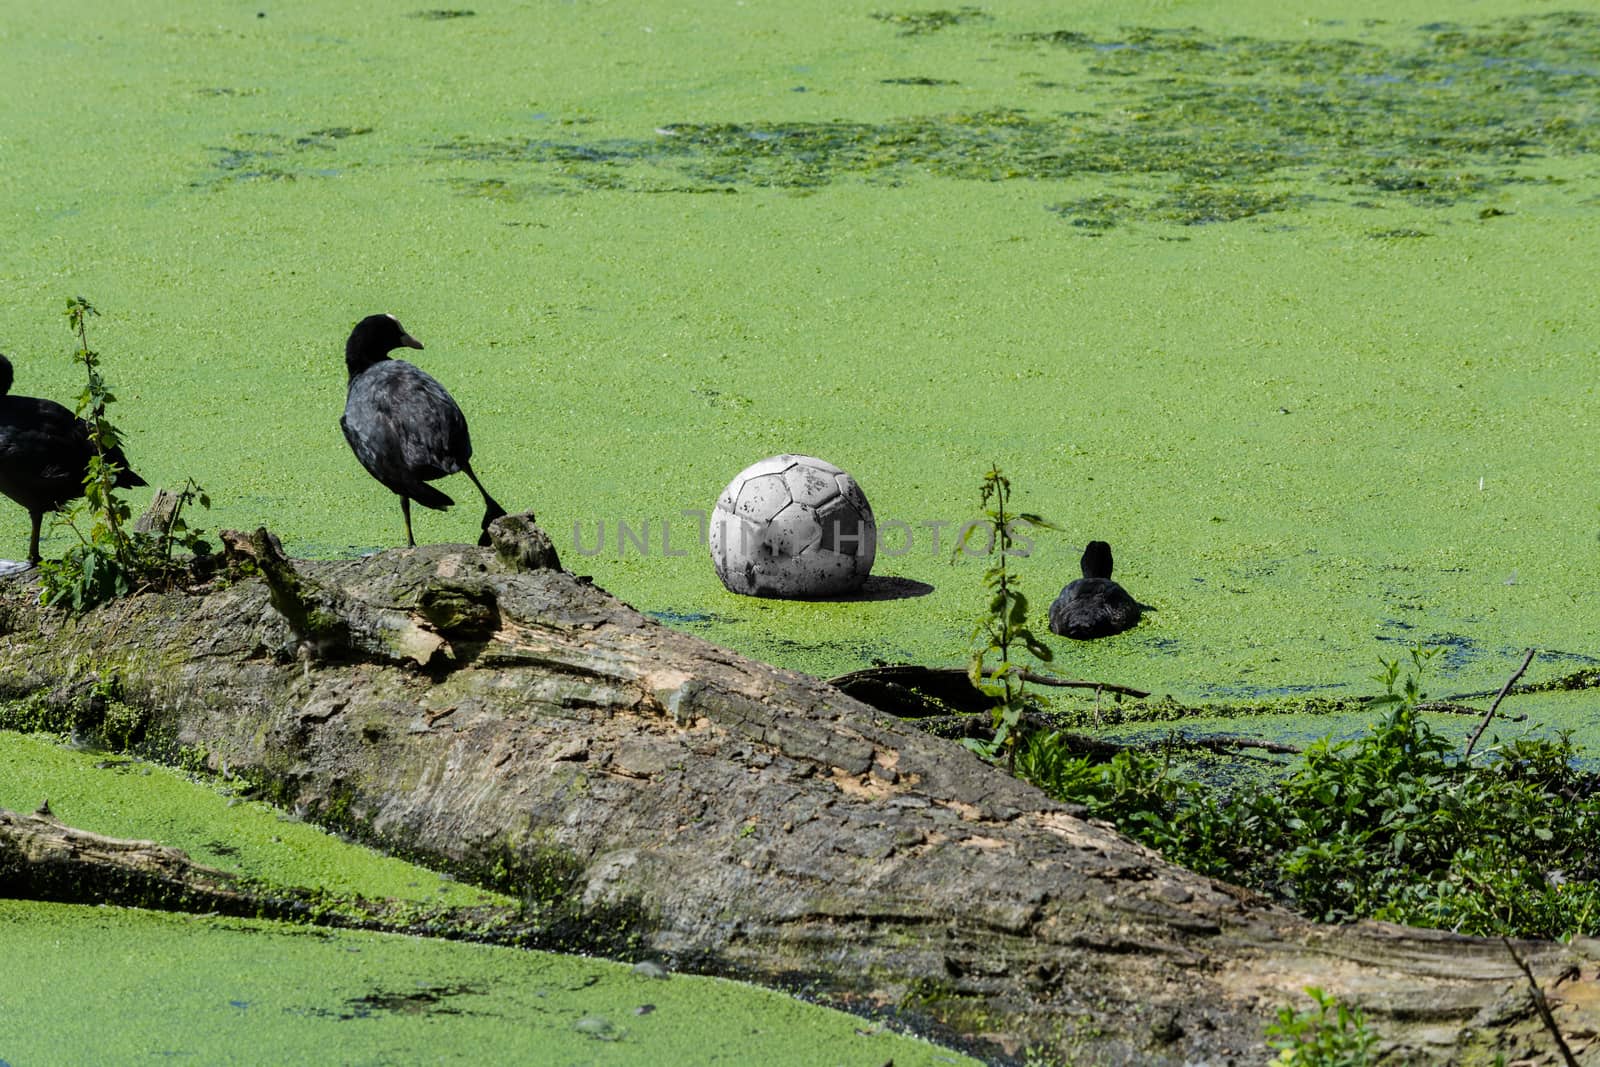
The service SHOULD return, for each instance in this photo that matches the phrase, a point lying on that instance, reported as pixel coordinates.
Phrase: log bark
(661, 796)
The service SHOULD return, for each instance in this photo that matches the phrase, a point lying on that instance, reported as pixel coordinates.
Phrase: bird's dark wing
(404, 427)
(43, 452)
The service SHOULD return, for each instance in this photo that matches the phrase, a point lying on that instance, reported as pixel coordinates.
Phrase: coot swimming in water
(1094, 605)
(44, 455)
(402, 425)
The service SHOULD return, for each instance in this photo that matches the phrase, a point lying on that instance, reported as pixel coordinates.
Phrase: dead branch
(1473, 740)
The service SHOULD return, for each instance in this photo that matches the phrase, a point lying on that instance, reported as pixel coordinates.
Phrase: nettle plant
(1001, 634)
(111, 559)
(1329, 1034)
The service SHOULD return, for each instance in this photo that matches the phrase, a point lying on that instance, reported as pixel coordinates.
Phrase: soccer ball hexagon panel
(793, 526)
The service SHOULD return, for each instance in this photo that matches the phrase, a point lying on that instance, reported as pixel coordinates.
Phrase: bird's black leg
(405, 509)
(491, 509)
(489, 503)
(33, 538)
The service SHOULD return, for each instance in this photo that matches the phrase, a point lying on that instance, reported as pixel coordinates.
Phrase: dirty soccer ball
(793, 526)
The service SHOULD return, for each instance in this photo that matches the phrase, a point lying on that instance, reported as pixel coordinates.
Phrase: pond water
(1293, 311)
(115, 985)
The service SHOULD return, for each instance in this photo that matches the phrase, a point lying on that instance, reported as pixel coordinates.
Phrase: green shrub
(1331, 1034)
(1390, 826)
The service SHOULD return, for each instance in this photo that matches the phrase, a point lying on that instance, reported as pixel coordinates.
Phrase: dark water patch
(442, 14)
(1095, 214)
(1199, 128)
(1457, 651)
(487, 188)
(921, 23)
(1197, 203)
(428, 1000)
(686, 619)
(278, 157)
(1553, 655)
(918, 80)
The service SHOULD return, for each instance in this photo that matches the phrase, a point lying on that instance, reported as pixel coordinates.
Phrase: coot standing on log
(1094, 605)
(402, 425)
(44, 455)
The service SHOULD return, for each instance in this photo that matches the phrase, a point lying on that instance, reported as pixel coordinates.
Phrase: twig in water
(1447, 707)
(1473, 740)
(1540, 1004)
(1073, 683)
(1233, 744)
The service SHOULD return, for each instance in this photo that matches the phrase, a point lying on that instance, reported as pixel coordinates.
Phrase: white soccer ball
(793, 526)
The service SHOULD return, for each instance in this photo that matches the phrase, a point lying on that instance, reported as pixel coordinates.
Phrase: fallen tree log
(668, 798)
(42, 858)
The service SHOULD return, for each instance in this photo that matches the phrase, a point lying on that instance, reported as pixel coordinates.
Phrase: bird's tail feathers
(428, 496)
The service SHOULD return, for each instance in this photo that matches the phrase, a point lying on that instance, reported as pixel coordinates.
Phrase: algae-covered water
(115, 985)
(1293, 311)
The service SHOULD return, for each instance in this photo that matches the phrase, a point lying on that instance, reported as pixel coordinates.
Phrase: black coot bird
(1094, 605)
(44, 455)
(402, 425)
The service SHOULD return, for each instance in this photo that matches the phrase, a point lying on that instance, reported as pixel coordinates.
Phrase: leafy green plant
(1330, 1034)
(1391, 826)
(111, 559)
(99, 566)
(1003, 629)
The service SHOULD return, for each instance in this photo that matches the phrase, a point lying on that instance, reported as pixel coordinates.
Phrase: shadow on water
(687, 619)
(878, 588)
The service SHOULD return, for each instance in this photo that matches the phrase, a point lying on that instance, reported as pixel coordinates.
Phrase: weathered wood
(41, 858)
(742, 819)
